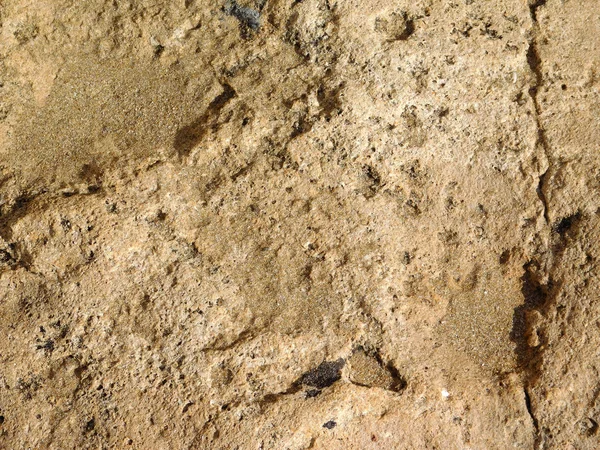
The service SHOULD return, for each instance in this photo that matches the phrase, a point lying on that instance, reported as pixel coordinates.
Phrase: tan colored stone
(299, 224)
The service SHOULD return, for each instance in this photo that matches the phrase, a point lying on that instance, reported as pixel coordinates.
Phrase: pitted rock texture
(294, 224)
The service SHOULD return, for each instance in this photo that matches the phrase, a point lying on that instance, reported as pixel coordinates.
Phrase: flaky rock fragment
(365, 369)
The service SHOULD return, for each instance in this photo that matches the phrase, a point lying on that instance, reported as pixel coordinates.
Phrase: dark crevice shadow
(189, 136)
(540, 294)
(535, 296)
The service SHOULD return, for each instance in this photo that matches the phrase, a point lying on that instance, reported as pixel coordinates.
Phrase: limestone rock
(283, 224)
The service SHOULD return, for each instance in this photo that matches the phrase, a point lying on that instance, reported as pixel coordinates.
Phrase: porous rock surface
(293, 224)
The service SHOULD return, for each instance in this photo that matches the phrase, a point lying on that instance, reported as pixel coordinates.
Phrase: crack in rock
(534, 62)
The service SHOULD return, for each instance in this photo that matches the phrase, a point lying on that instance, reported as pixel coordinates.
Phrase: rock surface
(293, 224)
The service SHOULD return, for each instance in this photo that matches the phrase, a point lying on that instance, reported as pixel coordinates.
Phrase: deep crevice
(534, 420)
(535, 295)
(541, 194)
(529, 409)
(324, 375)
(534, 62)
(537, 287)
(533, 7)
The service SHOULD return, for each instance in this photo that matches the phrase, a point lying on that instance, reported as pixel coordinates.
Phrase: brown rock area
(299, 224)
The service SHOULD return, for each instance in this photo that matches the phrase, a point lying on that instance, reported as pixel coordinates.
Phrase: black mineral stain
(47, 346)
(327, 373)
(249, 18)
(329, 425)
(311, 393)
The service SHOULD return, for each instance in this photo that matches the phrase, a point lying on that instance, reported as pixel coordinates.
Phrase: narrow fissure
(534, 62)
(536, 294)
(534, 420)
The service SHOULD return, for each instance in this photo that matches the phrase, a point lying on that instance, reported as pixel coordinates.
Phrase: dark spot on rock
(533, 290)
(520, 99)
(187, 137)
(535, 294)
(566, 223)
(158, 50)
(311, 393)
(327, 373)
(249, 18)
(588, 427)
(111, 207)
(26, 32)
(372, 181)
(1, 420)
(408, 31)
(329, 425)
(91, 173)
(5, 257)
(330, 101)
(161, 215)
(220, 100)
(406, 258)
(442, 112)
(399, 382)
(372, 175)
(47, 346)
(89, 426)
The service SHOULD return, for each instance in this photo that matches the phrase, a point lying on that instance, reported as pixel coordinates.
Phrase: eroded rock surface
(299, 224)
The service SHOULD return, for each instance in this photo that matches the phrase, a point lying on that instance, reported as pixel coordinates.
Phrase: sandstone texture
(296, 224)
